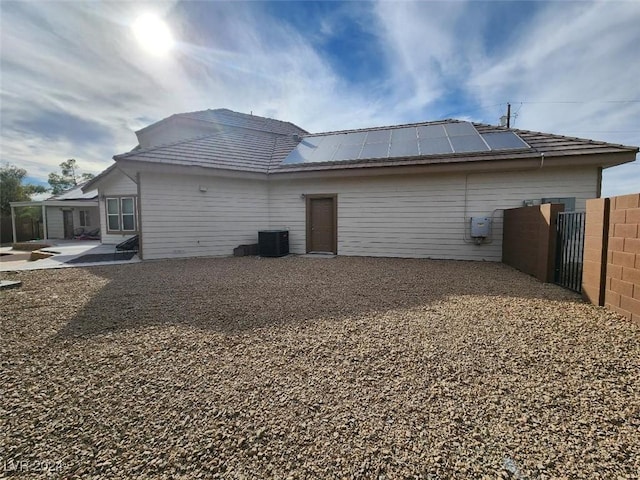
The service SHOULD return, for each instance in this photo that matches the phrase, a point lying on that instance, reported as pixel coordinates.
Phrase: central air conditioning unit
(273, 243)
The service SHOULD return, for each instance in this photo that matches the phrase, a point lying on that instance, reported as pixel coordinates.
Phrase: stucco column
(13, 223)
(44, 220)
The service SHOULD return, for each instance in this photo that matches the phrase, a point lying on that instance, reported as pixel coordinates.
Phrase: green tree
(69, 178)
(12, 189)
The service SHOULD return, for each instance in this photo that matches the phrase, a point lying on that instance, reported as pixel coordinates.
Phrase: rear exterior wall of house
(116, 185)
(423, 216)
(191, 216)
(419, 216)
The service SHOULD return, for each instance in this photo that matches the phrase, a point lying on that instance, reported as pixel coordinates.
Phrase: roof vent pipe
(296, 137)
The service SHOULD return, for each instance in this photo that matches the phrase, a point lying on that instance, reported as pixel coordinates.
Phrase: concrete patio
(63, 251)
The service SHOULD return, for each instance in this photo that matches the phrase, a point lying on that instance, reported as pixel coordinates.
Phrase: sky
(75, 82)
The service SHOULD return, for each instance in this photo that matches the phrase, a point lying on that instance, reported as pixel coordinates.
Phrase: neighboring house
(203, 183)
(65, 215)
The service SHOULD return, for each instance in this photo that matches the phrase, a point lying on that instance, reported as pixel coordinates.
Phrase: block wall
(529, 239)
(596, 236)
(613, 279)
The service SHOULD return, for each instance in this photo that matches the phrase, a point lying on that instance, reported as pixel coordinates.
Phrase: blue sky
(75, 84)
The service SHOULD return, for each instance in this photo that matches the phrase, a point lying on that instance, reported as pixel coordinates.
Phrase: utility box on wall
(480, 227)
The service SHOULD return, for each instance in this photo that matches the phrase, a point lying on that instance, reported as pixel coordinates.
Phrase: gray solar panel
(378, 136)
(435, 146)
(375, 150)
(468, 143)
(303, 153)
(311, 141)
(324, 152)
(406, 134)
(347, 152)
(332, 139)
(460, 128)
(504, 140)
(403, 149)
(431, 131)
(439, 139)
(353, 138)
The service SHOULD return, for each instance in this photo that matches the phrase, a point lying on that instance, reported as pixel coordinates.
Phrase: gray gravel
(307, 368)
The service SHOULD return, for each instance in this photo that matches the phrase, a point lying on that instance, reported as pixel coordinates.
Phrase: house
(65, 215)
(202, 183)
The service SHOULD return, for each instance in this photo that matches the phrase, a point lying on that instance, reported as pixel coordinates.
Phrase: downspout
(139, 208)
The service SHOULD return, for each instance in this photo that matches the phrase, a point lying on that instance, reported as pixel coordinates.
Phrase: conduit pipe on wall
(465, 220)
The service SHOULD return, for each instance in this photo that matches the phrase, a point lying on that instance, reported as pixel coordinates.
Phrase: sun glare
(153, 34)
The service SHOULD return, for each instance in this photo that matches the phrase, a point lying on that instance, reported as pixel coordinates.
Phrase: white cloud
(582, 52)
(423, 46)
(82, 59)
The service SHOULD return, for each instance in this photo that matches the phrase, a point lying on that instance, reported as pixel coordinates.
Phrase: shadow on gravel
(233, 295)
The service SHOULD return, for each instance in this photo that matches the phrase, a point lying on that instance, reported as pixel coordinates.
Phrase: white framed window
(85, 219)
(121, 214)
(128, 214)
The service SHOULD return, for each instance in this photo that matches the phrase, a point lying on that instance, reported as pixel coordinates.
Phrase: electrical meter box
(480, 227)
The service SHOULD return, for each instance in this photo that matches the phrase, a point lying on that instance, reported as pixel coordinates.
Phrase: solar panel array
(422, 140)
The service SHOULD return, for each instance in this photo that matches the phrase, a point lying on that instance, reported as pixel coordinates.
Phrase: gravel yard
(313, 368)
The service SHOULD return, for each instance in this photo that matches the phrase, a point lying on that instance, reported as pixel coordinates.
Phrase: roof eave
(130, 166)
(78, 202)
(522, 161)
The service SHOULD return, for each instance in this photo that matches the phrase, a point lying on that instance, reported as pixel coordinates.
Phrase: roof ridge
(194, 116)
(233, 112)
(273, 151)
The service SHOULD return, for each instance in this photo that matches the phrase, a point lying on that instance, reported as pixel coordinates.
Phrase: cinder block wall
(529, 239)
(596, 236)
(614, 279)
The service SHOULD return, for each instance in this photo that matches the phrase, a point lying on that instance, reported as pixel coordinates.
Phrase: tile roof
(558, 144)
(231, 149)
(263, 151)
(230, 118)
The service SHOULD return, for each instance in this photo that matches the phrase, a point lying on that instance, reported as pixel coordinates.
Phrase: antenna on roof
(505, 120)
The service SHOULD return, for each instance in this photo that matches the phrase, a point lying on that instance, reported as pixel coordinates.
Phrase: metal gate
(569, 250)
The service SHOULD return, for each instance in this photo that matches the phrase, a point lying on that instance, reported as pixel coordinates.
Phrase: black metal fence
(569, 250)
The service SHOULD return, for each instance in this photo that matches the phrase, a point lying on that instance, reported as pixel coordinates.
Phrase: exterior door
(322, 230)
(67, 220)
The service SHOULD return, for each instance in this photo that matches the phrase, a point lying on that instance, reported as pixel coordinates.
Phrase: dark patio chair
(130, 245)
(91, 235)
